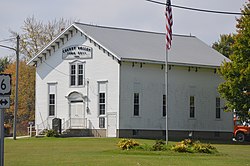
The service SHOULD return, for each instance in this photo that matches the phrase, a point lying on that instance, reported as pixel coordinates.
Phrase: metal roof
(136, 45)
(150, 46)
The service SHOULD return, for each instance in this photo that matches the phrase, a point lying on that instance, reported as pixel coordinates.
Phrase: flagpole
(169, 23)
(166, 91)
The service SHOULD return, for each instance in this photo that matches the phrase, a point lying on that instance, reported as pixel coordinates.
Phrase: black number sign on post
(5, 84)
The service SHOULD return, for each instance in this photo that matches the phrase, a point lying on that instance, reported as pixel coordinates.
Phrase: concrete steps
(76, 133)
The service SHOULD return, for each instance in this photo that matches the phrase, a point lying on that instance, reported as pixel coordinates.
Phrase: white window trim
(137, 89)
(194, 106)
(217, 107)
(136, 116)
(48, 98)
(106, 97)
(103, 123)
(76, 63)
(161, 101)
(162, 105)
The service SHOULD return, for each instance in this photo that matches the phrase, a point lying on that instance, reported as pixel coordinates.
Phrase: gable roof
(136, 45)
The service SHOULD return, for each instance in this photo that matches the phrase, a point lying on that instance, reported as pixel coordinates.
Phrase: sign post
(30, 129)
(2, 137)
(5, 91)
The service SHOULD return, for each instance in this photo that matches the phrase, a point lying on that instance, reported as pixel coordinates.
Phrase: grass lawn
(103, 151)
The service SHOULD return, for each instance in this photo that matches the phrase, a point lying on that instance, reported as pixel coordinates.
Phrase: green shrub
(126, 144)
(190, 146)
(51, 133)
(180, 147)
(187, 142)
(204, 148)
(159, 145)
(183, 146)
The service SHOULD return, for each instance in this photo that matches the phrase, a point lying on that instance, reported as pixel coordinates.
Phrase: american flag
(169, 23)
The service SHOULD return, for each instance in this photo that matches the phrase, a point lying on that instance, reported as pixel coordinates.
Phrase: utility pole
(17, 50)
(2, 137)
(5, 92)
(16, 90)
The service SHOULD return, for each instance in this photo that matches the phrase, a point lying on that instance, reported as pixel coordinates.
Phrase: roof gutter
(169, 63)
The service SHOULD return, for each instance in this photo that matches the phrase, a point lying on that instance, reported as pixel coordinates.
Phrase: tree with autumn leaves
(236, 73)
(4, 62)
(26, 91)
(34, 36)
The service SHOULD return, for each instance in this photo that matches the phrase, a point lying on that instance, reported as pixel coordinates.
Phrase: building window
(217, 114)
(76, 74)
(102, 104)
(164, 105)
(102, 97)
(101, 122)
(192, 107)
(80, 74)
(52, 99)
(73, 75)
(51, 104)
(216, 134)
(136, 104)
(135, 132)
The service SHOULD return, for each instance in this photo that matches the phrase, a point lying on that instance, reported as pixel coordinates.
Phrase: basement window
(101, 122)
(135, 132)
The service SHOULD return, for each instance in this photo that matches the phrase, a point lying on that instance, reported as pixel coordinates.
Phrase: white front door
(77, 117)
(111, 125)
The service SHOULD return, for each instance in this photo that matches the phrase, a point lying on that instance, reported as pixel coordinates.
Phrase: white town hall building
(110, 82)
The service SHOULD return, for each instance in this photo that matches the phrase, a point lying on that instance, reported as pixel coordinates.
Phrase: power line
(55, 69)
(11, 48)
(90, 87)
(199, 10)
(5, 40)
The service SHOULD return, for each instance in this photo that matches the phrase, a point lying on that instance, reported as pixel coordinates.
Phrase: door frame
(109, 114)
(81, 118)
(76, 97)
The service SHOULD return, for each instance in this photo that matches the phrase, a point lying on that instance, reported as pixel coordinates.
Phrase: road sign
(4, 102)
(5, 82)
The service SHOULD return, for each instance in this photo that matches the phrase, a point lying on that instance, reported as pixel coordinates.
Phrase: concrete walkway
(19, 137)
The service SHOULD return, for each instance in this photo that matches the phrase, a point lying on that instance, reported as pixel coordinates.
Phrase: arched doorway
(77, 118)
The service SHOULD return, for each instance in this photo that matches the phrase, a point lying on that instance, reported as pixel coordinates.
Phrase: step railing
(75, 123)
(41, 127)
(71, 123)
(66, 125)
(94, 131)
(31, 131)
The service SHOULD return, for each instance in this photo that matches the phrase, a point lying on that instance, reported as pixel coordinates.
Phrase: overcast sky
(133, 14)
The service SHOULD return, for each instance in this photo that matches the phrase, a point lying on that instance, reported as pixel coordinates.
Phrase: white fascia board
(96, 42)
(50, 43)
(62, 33)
